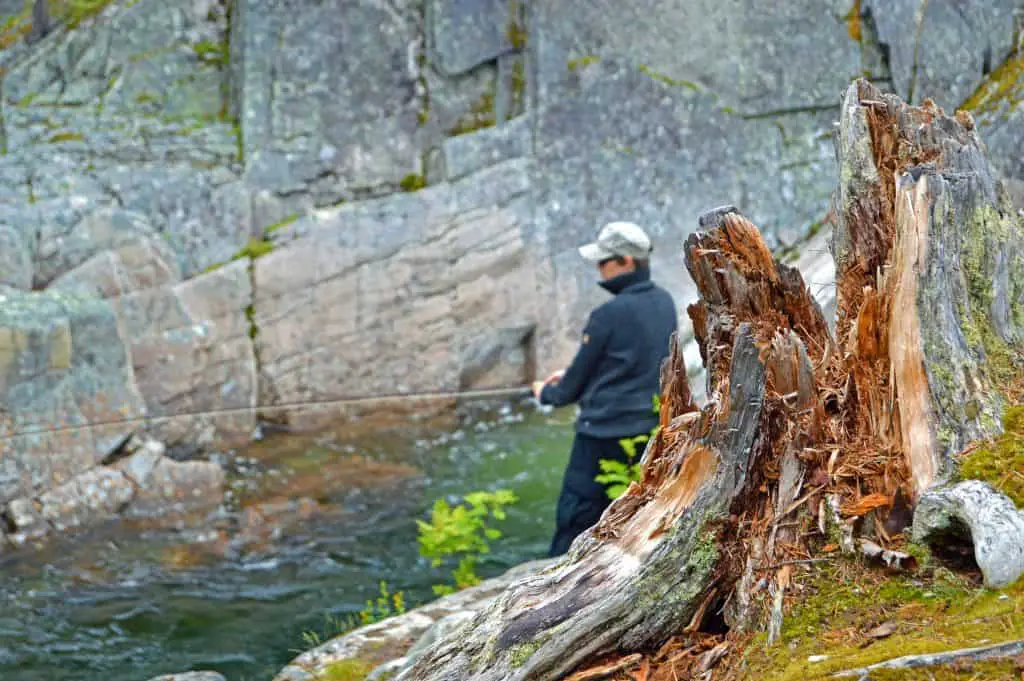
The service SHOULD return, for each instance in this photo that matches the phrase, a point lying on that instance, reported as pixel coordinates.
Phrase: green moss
(514, 32)
(413, 182)
(250, 315)
(284, 222)
(518, 655)
(667, 80)
(1003, 87)
(74, 12)
(15, 28)
(256, 248)
(210, 52)
(987, 234)
(147, 98)
(844, 601)
(1001, 463)
(518, 86)
(480, 115)
(346, 670)
(65, 137)
(582, 62)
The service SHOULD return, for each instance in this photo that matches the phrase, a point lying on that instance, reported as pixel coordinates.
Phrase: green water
(111, 606)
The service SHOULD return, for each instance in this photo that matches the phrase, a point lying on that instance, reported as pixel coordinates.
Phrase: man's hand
(538, 386)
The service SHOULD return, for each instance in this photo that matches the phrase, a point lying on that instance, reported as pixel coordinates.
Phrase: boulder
(175, 487)
(416, 292)
(193, 357)
(327, 107)
(190, 676)
(67, 387)
(85, 499)
(104, 229)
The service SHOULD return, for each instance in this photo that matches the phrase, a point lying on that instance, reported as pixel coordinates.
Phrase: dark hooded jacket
(617, 370)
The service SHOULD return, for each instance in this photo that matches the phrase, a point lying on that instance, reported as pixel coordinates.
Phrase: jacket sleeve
(584, 364)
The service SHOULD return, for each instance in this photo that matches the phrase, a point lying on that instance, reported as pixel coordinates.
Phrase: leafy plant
(617, 475)
(462, 531)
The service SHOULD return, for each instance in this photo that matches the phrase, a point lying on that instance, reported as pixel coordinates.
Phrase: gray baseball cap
(618, 238)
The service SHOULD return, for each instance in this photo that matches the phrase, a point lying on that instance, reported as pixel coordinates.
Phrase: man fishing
(614, 375)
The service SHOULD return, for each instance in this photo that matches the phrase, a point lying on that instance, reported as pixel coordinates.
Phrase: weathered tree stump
(805, 438)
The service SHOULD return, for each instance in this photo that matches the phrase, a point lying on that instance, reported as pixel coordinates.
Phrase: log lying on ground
(800, 431)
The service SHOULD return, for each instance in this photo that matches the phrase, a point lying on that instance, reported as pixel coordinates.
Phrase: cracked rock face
(941, 49)
(355, 304)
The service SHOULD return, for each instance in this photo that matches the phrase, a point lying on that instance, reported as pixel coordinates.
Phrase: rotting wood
(805, 440)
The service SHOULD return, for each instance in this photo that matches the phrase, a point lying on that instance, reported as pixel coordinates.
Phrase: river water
(312, 527)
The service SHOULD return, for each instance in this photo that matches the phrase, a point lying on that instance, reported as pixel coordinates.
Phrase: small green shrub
(617, 475)
(462, 532)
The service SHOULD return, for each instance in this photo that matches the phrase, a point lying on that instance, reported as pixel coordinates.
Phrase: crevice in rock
(119, 451)
(775, 113)
(875, 58)
(917, 50)
(250, 315)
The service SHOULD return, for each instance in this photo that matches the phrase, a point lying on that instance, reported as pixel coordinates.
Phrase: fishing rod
(507, 392)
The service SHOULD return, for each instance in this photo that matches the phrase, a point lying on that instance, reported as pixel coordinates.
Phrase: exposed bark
(803, 437)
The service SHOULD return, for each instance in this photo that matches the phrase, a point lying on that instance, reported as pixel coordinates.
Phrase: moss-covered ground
(856, 616)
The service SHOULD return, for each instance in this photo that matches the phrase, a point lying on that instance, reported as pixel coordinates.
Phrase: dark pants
(583, 500)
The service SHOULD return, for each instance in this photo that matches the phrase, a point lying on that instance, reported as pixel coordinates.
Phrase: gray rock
(176, 487)
(999, 114)
(731, 48)
(140, 465)
(982, 516)
(86, 499)
(190, 676)
(467, 154)
(160, 58)
(203, 216)
(67, 386)
(298, 63)
(139, 265)
(466, 33)
(193, 356)
(457, 104)
(105, 228)
(24, 518)
(943, 53)
(397, 294)
(15, 259)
